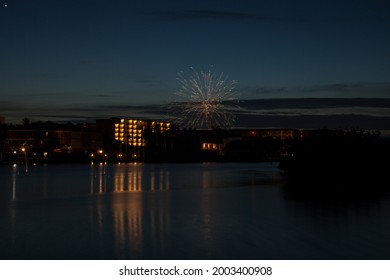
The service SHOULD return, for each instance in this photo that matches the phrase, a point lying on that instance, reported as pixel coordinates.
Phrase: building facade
(138, 137)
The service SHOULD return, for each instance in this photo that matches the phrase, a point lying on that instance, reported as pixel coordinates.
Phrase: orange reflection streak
(100, 179)
(139, 181)
(92, 179)
(14, 173)
(128, 230)
(130, 178)
(164, 180)
(119, 227)
(139, 221)
(119, 182)
(152, 181)
(132, 216)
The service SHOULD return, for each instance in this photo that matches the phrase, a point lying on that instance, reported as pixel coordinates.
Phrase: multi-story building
(135, 136)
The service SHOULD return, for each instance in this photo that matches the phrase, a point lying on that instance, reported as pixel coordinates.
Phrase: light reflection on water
(183, 211)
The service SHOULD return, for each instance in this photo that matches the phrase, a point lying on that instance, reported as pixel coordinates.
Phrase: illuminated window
(210, 146)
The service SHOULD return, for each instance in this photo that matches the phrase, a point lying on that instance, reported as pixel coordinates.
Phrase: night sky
(87, 59)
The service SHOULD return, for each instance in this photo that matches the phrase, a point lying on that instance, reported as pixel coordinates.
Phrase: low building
(55, 142)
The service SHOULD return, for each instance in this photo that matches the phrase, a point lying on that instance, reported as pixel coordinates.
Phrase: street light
(100, 152)
(24, 150)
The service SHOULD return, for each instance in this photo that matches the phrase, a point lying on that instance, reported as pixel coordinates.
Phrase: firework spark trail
(203, 99)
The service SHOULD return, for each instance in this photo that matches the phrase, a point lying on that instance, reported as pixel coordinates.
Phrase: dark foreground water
(184, 211)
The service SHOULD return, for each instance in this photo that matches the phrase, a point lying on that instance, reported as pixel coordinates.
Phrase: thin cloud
(314, 121)
(214, 14)
(150, 82)
(264, 90)
(363, 113)
(204, 15)
(104, 95)
(303, 103)
(339, 90)
(351, 89)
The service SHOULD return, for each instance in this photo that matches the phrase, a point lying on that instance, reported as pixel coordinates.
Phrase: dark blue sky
(73, 59)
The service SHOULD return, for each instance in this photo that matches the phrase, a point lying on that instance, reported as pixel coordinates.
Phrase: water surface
(183, 211)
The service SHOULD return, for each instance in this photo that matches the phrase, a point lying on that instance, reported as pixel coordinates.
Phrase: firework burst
(205, 101)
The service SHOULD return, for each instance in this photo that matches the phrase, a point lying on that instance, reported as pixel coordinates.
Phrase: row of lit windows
(160, 124)
(142, 125)
(129, 134)
(133, 130)
(132, 121)
(135, 127)
(138, 143)
(135, 123)
(210, 146)
(130, 128)
(138, 121)
(134, 134)
(135, 139)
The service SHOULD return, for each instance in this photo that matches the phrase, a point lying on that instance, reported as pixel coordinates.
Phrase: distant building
(44, 143)
(274, 133)
(245, 144)
(2, 120)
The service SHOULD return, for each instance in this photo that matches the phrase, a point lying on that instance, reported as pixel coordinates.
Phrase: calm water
(183, 211)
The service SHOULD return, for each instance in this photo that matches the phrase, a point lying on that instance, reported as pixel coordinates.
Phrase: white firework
(205, 101)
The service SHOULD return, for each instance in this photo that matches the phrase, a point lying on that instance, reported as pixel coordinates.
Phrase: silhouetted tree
(26, 121)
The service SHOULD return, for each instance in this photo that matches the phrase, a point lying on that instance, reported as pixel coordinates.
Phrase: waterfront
(183, 211)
